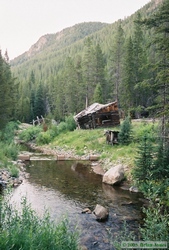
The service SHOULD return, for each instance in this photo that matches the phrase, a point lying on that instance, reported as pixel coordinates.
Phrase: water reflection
(74, 180)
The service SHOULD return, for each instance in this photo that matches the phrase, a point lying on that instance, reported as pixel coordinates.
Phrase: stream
(65, 188)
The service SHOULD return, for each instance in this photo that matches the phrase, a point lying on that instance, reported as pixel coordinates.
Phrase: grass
(82, 139)
(9, 153)
(94, 140)
(85, 142)
(25, 230)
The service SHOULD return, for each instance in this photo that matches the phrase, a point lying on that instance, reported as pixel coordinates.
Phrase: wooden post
(43, 119)
(38, 120)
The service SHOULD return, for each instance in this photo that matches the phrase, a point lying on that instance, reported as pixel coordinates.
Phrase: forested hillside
(96, 62)
(8, 92)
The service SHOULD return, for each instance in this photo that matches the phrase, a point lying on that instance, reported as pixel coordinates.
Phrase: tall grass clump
(10, 151)
(24, 230)
(13, 170)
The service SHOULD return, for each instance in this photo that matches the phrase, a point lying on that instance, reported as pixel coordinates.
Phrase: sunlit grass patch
(124, 154)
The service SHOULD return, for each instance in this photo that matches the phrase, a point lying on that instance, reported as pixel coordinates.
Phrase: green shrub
(30, 133)
(144, 128)
(8, 149)
(2, 156)
(44, 138)
(25, 230)
(62, 127)
(9, 132)
(54, 131)
(68, 125)
(70, 122)
(156, 224)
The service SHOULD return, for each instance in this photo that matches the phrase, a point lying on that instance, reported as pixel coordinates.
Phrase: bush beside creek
(9, 150)
(140, 149)
(25, 230)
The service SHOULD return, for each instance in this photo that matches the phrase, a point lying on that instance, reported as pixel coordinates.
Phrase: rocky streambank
(8, 179)
(65, 153)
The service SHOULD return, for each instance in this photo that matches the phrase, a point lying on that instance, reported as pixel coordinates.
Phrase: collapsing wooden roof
(98, 115)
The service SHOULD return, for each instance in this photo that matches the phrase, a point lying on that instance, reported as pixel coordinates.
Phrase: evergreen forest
(125, 61)
(92, 62)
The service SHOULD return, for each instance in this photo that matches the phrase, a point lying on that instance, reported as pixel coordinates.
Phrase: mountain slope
(70, 41)
(60, 40)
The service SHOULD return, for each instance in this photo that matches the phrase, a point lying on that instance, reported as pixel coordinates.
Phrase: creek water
(65, 188)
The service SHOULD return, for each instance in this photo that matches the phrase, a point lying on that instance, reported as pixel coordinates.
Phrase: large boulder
(114, 175)
(101, 213)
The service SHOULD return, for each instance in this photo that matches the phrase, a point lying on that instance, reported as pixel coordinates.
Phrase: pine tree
(32, 80)
(125, 132)
(98, 97)
(70, 87)
(159, 23)
(117, 55)
(58, 96)
(100, 72)
(144, 162)
(88, 70)
(80, 85)
(8, 92)
(139, 61)
(39, 102)
(161, 162)
(127, 88)
(32, 105)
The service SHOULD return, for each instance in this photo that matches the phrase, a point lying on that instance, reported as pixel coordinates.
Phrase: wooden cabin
(98, 115)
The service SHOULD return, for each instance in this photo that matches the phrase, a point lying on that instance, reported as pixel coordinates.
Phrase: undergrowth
(8, 149)
(25, 230)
